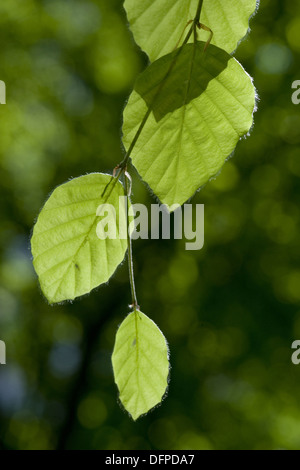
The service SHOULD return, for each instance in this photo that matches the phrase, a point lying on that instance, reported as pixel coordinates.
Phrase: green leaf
(200, 105)
(158, 24)
(68, 256)
(140, 364)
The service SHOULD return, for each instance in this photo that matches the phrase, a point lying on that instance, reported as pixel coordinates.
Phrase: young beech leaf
(140, 363)
(158, 24)
(68, 256)
(201, 104)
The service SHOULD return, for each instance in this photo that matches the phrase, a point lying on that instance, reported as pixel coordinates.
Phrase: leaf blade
(142, 377)
(66, 250)
(204, 107)
(157, 26)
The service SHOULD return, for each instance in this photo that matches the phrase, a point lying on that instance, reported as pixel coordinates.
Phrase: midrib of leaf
(55, 266)
(184, 104)
(138, 369)
(137, 349)
(74, 256)
(184, 107)
(148, 112)
(59, 244)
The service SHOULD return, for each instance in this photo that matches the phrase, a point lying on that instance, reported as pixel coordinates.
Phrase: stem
(115, 179)
(122, 167)
(139, 131)
(134, 305)
(125, 160)
(172, 65)
(198, 13)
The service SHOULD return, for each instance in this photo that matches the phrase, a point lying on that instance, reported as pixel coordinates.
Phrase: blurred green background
(230, 312)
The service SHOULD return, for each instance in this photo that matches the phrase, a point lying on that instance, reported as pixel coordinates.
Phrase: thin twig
(134, 305)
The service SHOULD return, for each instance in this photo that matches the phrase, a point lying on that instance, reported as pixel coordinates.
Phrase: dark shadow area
(178, 78)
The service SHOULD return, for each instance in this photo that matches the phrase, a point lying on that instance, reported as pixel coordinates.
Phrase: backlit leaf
(68, 256)
(158, 24)
(140, 363)
(203, 108)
